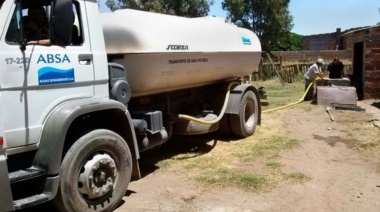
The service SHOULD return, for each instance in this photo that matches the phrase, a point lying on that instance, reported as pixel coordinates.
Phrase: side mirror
(62, 22)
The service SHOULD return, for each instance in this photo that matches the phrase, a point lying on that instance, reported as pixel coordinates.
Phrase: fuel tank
(164, 52)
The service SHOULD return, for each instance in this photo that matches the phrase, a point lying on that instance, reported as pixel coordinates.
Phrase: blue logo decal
(246, 41)
(50, 75)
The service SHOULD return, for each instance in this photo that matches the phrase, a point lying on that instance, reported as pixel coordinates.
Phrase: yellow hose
(299, 101)
(190, 118)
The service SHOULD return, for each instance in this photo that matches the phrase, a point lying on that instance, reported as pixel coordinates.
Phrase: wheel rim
(249, 113)
(97, 176)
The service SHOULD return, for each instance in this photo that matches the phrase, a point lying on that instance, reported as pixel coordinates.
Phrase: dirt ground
(343, 177)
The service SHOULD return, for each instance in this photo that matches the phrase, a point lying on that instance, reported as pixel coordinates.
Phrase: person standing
(335, 69)
(311, 74)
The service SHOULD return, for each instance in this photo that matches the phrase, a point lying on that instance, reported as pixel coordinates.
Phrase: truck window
(31, 24)
(13, 35)
(1, 4)
(77, 36)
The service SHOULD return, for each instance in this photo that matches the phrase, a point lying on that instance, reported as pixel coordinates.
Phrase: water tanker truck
(78, 106)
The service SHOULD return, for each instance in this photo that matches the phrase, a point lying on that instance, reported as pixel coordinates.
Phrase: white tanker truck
(76, 114)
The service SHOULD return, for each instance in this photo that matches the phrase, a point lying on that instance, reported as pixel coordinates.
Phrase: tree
(189, 8)
(289, 42)
(269, 19)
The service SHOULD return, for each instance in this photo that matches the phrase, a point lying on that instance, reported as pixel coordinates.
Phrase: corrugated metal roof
(360, 29)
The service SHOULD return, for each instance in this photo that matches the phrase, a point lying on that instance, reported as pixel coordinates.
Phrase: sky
(320, 16)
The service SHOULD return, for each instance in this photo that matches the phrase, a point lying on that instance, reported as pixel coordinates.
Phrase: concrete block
(326, 95)
(332, 82)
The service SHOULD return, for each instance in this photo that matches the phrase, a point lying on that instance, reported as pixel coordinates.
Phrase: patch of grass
(369, 145)
(269, 147)
(251, 163)
(222, 166)
(279, 95)
(296, 177)
(223, 177)
(273, 165)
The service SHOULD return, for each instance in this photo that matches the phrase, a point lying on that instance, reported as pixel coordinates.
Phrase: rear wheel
(95, 173)
(244, 123)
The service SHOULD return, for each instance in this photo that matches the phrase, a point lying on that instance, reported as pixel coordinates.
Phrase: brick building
(326, 41)
(329, 41)
(365, 45)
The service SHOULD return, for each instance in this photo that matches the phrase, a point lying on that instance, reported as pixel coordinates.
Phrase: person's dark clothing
(335, 70)
(310, 94)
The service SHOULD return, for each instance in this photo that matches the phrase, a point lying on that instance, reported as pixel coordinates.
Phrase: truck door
(35, 80)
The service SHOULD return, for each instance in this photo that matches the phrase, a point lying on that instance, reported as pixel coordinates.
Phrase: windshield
(1, 3)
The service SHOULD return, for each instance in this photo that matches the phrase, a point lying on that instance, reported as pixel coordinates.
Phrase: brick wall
(327, 41)
(313, 55)
(348, 42)
(372, 63)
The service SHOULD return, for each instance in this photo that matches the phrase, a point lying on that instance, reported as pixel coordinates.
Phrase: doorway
(357, 79)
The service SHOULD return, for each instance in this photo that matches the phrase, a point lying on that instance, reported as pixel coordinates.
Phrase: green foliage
(270, 148)
(269, 19)
(189, 8)
(224, 177)
(289, 42)
(278, 95)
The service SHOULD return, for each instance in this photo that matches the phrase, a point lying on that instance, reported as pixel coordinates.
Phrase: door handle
(85, 57)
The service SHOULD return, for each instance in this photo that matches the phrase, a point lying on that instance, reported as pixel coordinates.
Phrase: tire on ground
(244, 123)
(99, 143)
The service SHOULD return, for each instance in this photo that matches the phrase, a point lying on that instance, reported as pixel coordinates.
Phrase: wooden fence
(288, 73)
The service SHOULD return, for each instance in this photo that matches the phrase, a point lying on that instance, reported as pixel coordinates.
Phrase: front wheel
(95, 173)
(244, 123)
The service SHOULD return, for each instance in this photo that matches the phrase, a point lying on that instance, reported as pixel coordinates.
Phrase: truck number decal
(16, 60)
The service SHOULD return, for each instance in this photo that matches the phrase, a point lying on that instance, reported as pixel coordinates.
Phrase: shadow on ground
(333, 140)
(376, 104)
(179, 144)
(199, 144)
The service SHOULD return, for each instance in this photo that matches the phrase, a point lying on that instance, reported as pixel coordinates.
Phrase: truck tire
(244, 123)
(94, 173)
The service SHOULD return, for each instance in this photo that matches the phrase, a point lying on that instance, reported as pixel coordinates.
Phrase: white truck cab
(72, 127)
(42, 84)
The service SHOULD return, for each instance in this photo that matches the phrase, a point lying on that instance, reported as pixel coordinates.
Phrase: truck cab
(40, 83)
(36, 78)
